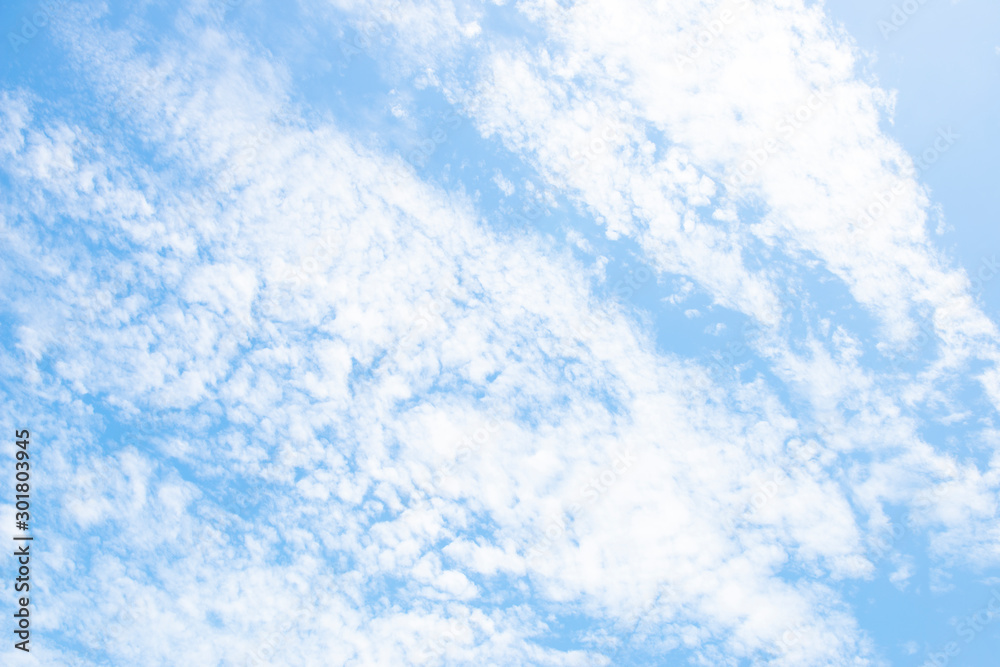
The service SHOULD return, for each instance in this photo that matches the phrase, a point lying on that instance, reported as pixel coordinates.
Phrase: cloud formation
(332, 414)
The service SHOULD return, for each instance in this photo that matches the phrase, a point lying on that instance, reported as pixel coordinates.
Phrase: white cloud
(335, 333)
(505, 185)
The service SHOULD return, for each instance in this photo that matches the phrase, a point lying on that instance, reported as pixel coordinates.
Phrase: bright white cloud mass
(501, 333)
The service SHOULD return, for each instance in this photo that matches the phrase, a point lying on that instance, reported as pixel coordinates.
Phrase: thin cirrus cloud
(301, 392)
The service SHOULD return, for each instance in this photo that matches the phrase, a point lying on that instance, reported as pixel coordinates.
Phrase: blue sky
(944, 66)
(445, 333)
